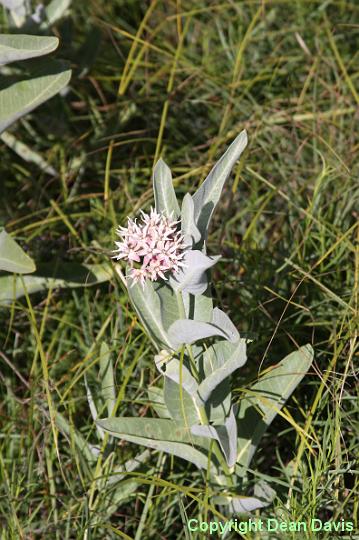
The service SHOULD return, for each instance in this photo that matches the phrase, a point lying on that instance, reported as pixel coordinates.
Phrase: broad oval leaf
(181, 450)
(266, 397)
(12, 4)
(159, 434)
(187, 331)
(151, 428)
(208, 194)
(192, 278)
(22, 97)
(21, 46)
(148, 307)
(165, 196)
(12, 257)
(217, 407)
(237, 358)
(218, 404)
(169, 307)
(216, 355)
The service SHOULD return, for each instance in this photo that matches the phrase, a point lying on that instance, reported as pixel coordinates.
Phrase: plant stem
(201, 409)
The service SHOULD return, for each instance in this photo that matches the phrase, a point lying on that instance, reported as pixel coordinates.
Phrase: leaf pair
(196, 211)
(158, 307)
(255, 413)
(196, 404)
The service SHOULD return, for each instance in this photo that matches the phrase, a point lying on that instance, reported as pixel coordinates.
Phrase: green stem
(181, 308)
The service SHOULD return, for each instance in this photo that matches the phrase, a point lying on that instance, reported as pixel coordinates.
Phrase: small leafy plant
(198, 346)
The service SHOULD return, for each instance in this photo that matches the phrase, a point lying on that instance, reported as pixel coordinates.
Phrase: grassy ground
(180, 79)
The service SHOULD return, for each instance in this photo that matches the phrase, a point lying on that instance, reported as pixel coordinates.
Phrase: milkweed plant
(198, 348)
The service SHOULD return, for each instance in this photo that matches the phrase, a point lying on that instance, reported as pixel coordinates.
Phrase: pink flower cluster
(151, 247)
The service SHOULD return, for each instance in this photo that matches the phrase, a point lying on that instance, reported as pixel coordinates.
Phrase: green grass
(181, 79)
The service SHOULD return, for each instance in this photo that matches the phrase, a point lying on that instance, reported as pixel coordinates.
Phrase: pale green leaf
(12, 257)
(165, 196)
(237, 358)
(12, 4)
(216, 355)
(21, 46)
(180, 389)
(52, 275)
(192, 278)
(261, 404)
(150, 428)
(171, 367)
(18, 10)
(181, 405)
(187, 331)
(153, 429)
(208, 194)
(263, 496)
(181, 450)
(21, 97)
(148, 307)
(219, 402)
(188, 225)
(108, 389)
(169, 306)
(54, 11)
(198, 307)
(148, 432)
(225, 434)
(217, 407)
(221, 319)
(156, 398)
